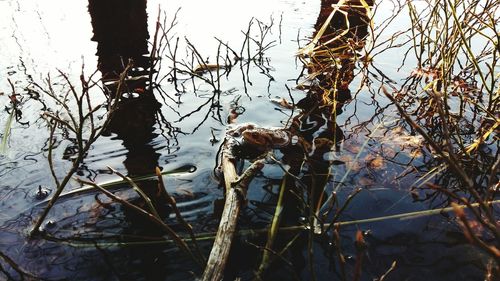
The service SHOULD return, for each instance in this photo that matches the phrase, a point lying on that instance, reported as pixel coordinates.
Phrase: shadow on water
(89, 237)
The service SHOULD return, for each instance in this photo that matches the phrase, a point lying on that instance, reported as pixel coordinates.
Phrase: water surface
(91, 239)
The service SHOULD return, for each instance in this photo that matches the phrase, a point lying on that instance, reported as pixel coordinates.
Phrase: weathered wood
(235, 194)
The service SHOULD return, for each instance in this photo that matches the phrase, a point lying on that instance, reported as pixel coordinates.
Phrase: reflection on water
(91, 238)
(329, 74)
(120, 30)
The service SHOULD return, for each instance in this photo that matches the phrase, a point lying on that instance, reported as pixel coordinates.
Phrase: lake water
(89, 238)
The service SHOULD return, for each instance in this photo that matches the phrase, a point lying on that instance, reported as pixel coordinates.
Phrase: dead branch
(236, 190)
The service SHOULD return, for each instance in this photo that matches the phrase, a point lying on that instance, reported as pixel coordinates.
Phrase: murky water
(89, 238)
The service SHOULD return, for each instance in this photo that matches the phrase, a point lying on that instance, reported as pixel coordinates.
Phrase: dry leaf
(377, 163)
(353, 166)
(282, 103)
(416, 153)
(364, 181)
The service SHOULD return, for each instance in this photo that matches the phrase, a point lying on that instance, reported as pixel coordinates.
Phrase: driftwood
(236, 190)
